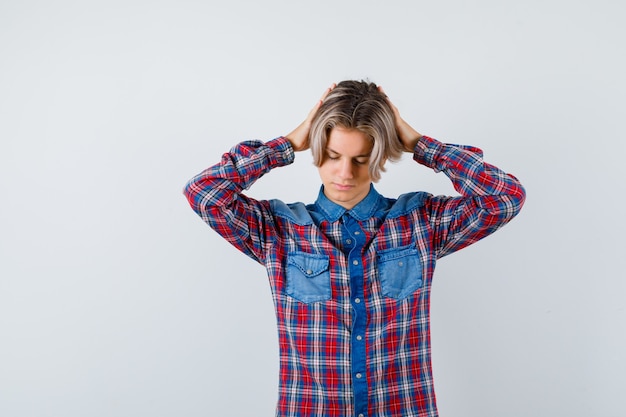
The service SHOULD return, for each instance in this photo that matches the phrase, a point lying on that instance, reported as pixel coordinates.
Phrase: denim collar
(364, 209)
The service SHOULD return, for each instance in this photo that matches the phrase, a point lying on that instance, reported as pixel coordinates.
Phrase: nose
(345, 169)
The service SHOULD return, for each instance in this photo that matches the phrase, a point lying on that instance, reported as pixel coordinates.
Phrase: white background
(116, 300)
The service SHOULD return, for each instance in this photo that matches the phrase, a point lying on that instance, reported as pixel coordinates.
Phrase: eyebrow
(367, 155)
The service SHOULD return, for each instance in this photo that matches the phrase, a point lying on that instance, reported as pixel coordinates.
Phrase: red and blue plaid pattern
(352, 289)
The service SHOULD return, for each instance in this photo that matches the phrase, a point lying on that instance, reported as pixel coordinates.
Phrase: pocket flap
(308, 277)
(310, 265)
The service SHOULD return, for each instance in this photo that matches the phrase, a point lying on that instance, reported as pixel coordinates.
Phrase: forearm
(219, 185)
(465, 167)
(216, 194)
(489, 199)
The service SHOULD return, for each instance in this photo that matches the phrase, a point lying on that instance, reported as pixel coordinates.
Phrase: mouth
(343, 187)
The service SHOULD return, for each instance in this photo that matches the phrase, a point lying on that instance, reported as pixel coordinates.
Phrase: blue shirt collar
(364, 209)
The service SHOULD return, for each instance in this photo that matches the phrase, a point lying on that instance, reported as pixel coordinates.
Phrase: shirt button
(359, 376)
(361, 415)
(357, 233)
(355, 262)
(359, 337)
(357, 300)
(400, 263)
(348, 241)
(309, 272)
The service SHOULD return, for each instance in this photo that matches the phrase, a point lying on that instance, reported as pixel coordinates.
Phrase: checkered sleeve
(216, 194)
(489, 197)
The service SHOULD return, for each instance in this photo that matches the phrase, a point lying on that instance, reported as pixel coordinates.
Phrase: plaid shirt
(351, 288)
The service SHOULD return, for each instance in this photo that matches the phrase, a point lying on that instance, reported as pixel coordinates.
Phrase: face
(345, 168)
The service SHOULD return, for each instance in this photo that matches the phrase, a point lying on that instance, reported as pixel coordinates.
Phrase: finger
(393, 106)
(327, 91)
(380, 88)
(319, 102)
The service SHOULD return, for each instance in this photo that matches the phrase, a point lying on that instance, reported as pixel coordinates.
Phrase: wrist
(411, 144)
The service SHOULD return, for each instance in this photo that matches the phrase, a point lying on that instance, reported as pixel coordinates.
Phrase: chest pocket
(308, 277)
(400, 272)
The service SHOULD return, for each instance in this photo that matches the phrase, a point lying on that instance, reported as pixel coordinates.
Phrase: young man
(351, 273)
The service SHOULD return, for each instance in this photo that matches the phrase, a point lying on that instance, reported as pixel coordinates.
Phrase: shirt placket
(353, 243)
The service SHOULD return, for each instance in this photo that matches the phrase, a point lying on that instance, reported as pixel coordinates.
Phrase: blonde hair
(362, 106)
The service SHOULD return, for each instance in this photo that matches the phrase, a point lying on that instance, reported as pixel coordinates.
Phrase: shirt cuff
(283, 151)
(426, 151)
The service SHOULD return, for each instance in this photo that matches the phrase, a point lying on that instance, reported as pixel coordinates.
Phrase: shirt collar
(364, 209)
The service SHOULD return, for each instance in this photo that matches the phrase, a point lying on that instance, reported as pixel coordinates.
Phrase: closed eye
(362, 161)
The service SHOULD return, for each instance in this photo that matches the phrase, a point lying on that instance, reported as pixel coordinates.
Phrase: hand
(407, 135)
(299, 137)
